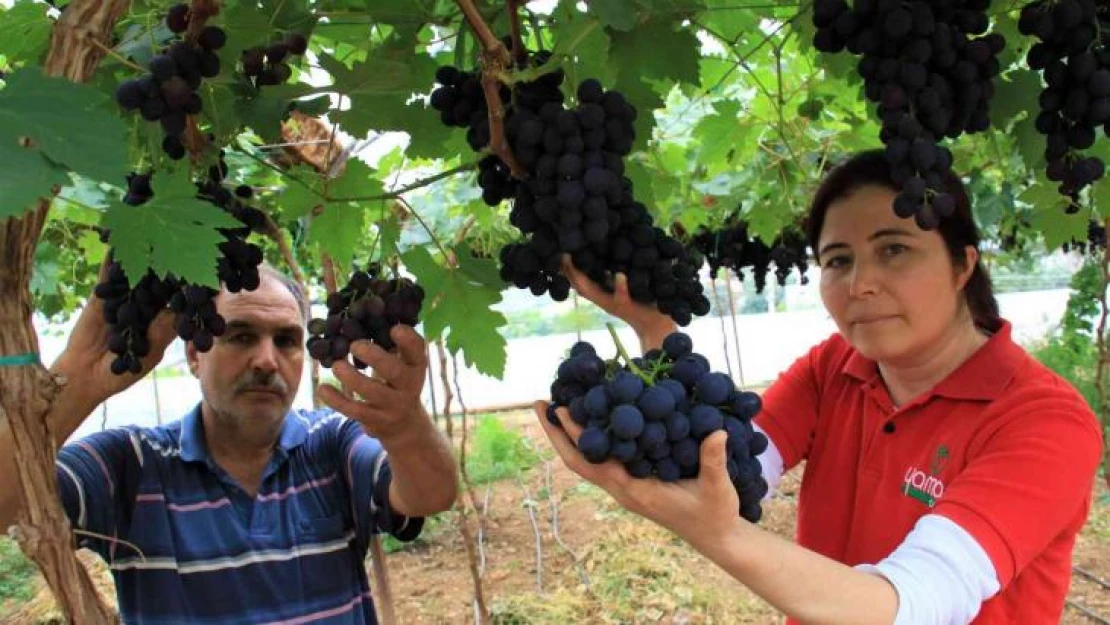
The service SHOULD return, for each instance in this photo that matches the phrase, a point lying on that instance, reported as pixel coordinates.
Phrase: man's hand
(424, 476)
(390, 400)
(88, 359)
(649, 324)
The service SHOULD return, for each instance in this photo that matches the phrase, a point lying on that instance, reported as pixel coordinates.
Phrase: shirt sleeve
(368, 476)
(771, 463)
(1028, 480)
(790, 407)
(98, 478)
(941, 574)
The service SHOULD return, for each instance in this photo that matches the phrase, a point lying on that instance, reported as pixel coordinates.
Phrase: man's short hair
(266, 269)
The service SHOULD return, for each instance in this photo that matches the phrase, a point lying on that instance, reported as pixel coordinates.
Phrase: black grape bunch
(237, 266)
(169, 93)
(652, 413)
(929, 66)
(575, 199)
(1073, 55)
(269, 65)
(130, 307)
(461, 103)
(367, 307)
(129, 311)
(732, 246)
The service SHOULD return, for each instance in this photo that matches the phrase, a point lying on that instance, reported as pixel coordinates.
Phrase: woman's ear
(971, 260)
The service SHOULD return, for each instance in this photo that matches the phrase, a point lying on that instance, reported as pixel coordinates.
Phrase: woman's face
(890, 286)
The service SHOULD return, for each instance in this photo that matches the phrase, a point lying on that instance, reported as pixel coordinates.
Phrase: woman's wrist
(651, 337)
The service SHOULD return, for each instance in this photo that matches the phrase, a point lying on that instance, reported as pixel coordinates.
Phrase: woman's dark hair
(958, 230)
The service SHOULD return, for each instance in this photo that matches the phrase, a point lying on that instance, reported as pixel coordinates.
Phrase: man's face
(251, 374)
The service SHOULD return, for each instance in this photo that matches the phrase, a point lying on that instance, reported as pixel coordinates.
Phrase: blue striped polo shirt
(210, 553)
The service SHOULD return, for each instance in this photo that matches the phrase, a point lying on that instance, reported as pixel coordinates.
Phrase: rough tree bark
(1102, 341)
(26, 391)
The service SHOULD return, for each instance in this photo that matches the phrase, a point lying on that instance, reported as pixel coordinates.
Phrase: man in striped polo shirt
(246, 511)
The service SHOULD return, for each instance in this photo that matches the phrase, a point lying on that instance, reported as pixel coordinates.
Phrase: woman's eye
(836, 261)
(895, 249)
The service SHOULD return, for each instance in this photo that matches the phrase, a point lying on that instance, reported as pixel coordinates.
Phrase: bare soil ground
(602, 565)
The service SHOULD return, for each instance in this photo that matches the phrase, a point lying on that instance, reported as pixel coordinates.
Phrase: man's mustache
(260, 381)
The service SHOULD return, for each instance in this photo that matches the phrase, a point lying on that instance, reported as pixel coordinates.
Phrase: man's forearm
(424, 476)
(71, 406)
(801, 583)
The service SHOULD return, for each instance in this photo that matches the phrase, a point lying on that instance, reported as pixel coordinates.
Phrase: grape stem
(495, 59)
(273, 231)
(424, 224)
(640, 373)
(491, 85)
(328, 263)
(518, 54)
(116, 55)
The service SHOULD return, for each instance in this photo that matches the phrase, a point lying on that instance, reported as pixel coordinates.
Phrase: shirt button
(888, 427)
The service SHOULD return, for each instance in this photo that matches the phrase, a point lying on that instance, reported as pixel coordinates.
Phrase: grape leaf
(341, 223)
(617, 14)
(70, 123)
(1030, 143)
(173, 232)
(264, 114)
(719, 17)
(26, 32)
(337, 230)
(1013, 96)
(1100, 197)
(655, 51)
(720, 134)
(378, 89)
(641, 177)
(458, 303)
(358, 180)
(25, 176)
(1048, 214)
(585, 46)
(389, 234)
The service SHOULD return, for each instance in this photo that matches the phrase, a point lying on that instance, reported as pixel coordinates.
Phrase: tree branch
(1101, 339)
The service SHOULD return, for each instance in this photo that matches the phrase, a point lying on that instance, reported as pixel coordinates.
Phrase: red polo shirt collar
(982, 377)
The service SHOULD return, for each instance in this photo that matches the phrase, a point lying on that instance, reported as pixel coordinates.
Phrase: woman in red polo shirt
(947, 471)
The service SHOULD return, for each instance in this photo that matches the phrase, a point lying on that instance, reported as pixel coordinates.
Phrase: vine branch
(481, 612)
(117, 56)
(412, 186)
(273, 231)
(424, 224)
(517, 52)
(495, 60)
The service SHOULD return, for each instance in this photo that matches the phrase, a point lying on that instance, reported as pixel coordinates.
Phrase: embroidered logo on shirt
(926, 487)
